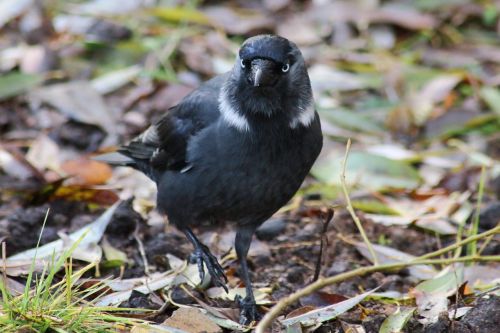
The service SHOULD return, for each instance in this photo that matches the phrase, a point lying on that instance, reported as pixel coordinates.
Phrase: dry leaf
(87, 172)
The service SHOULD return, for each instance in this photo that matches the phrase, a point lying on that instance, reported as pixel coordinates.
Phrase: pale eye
(242, 63)
(285, 68)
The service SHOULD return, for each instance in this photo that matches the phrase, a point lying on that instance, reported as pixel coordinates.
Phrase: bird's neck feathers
(240, 106)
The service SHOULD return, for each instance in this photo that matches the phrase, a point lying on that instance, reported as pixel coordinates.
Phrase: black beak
(263, 73)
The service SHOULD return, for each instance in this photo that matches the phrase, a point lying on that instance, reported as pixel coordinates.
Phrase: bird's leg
(248, 308)
(202, 255)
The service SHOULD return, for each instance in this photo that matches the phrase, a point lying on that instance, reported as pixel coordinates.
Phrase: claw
(248, 310)
(204, 257)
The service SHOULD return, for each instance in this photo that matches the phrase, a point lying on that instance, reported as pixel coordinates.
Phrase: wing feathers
(163, 146)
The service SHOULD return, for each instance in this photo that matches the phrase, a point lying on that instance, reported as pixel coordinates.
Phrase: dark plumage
(236, 149)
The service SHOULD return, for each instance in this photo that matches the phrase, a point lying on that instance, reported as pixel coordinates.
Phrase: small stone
(337, 267)
(485, 316)
(295, 275)
(271, 229)
(490, 216)
(180, 296)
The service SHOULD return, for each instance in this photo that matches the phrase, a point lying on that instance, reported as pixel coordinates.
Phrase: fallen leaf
(364, 13)
(112, 81)
(366, 170)
(111, 253)
(220, 317)
(16, 83)
(373, 206)
(73, 24)
(458, 313)
(80, 101)
(239, 23)
(314, 317)
(10, 9)
(300, 311)
(295, 328)
(13, 287)
(13, 167)
(106, 7)
(192, 320)
(393, 151)
(87, 172)
(352, 328)
(89, 234)
(491, 97)
(325, 79)
(180, 14)
(18, 267)
(321, 299)
(482, 275)
(387, 255)
(395, 322)
(433, 92)
(432, 295)
(101, 197)
(438, 225)
(145, 285)
(149, 328)
(351, 120)
(300, 29)
(402, 15)
(44, 153)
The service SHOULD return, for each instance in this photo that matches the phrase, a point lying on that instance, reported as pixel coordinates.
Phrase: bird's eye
(242, 63)
(285, 68)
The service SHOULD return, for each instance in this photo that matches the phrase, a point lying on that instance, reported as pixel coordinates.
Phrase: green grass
(63, 306)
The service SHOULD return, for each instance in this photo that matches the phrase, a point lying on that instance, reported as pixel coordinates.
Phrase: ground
(414, 85)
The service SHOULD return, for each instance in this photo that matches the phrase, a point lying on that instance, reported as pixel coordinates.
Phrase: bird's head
(268, 79)
(266, 61)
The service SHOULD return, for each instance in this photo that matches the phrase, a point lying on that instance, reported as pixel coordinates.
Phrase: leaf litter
(415, 85)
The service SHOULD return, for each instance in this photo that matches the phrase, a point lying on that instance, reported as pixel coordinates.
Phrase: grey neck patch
(305, 116)
(301, 109)
(232, 117)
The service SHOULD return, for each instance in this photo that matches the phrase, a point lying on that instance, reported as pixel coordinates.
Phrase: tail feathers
(138, 150)
(115, 158)
(119, 159)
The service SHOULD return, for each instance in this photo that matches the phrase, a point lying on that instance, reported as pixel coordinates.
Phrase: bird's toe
(202, 256)
(248, 310)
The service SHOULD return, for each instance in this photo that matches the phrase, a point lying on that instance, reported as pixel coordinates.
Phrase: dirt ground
(414, 84)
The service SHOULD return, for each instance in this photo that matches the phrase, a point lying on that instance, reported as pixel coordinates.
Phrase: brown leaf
(320, 299)
(87, 172)
(300, 311)
(81, 193)
(192, 320)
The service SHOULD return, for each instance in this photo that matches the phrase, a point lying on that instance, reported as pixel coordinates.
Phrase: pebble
(270, 229)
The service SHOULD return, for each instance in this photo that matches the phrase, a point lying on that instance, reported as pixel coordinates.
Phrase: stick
(323, 282)
(350, 208)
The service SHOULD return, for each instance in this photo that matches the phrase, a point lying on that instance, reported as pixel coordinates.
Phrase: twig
(483, 246)
(465, 241)
(324, 240)
(422, 260)
(323, 282)
(141, 250)
(350, 208)
(472, 247)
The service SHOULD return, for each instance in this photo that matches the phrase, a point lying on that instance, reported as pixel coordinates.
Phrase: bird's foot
(248, 310)
(202, 255)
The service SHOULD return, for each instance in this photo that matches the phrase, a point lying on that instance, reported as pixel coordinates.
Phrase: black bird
(236, 149)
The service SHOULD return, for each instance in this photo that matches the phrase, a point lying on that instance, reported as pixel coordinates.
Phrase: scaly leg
(248, 308)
